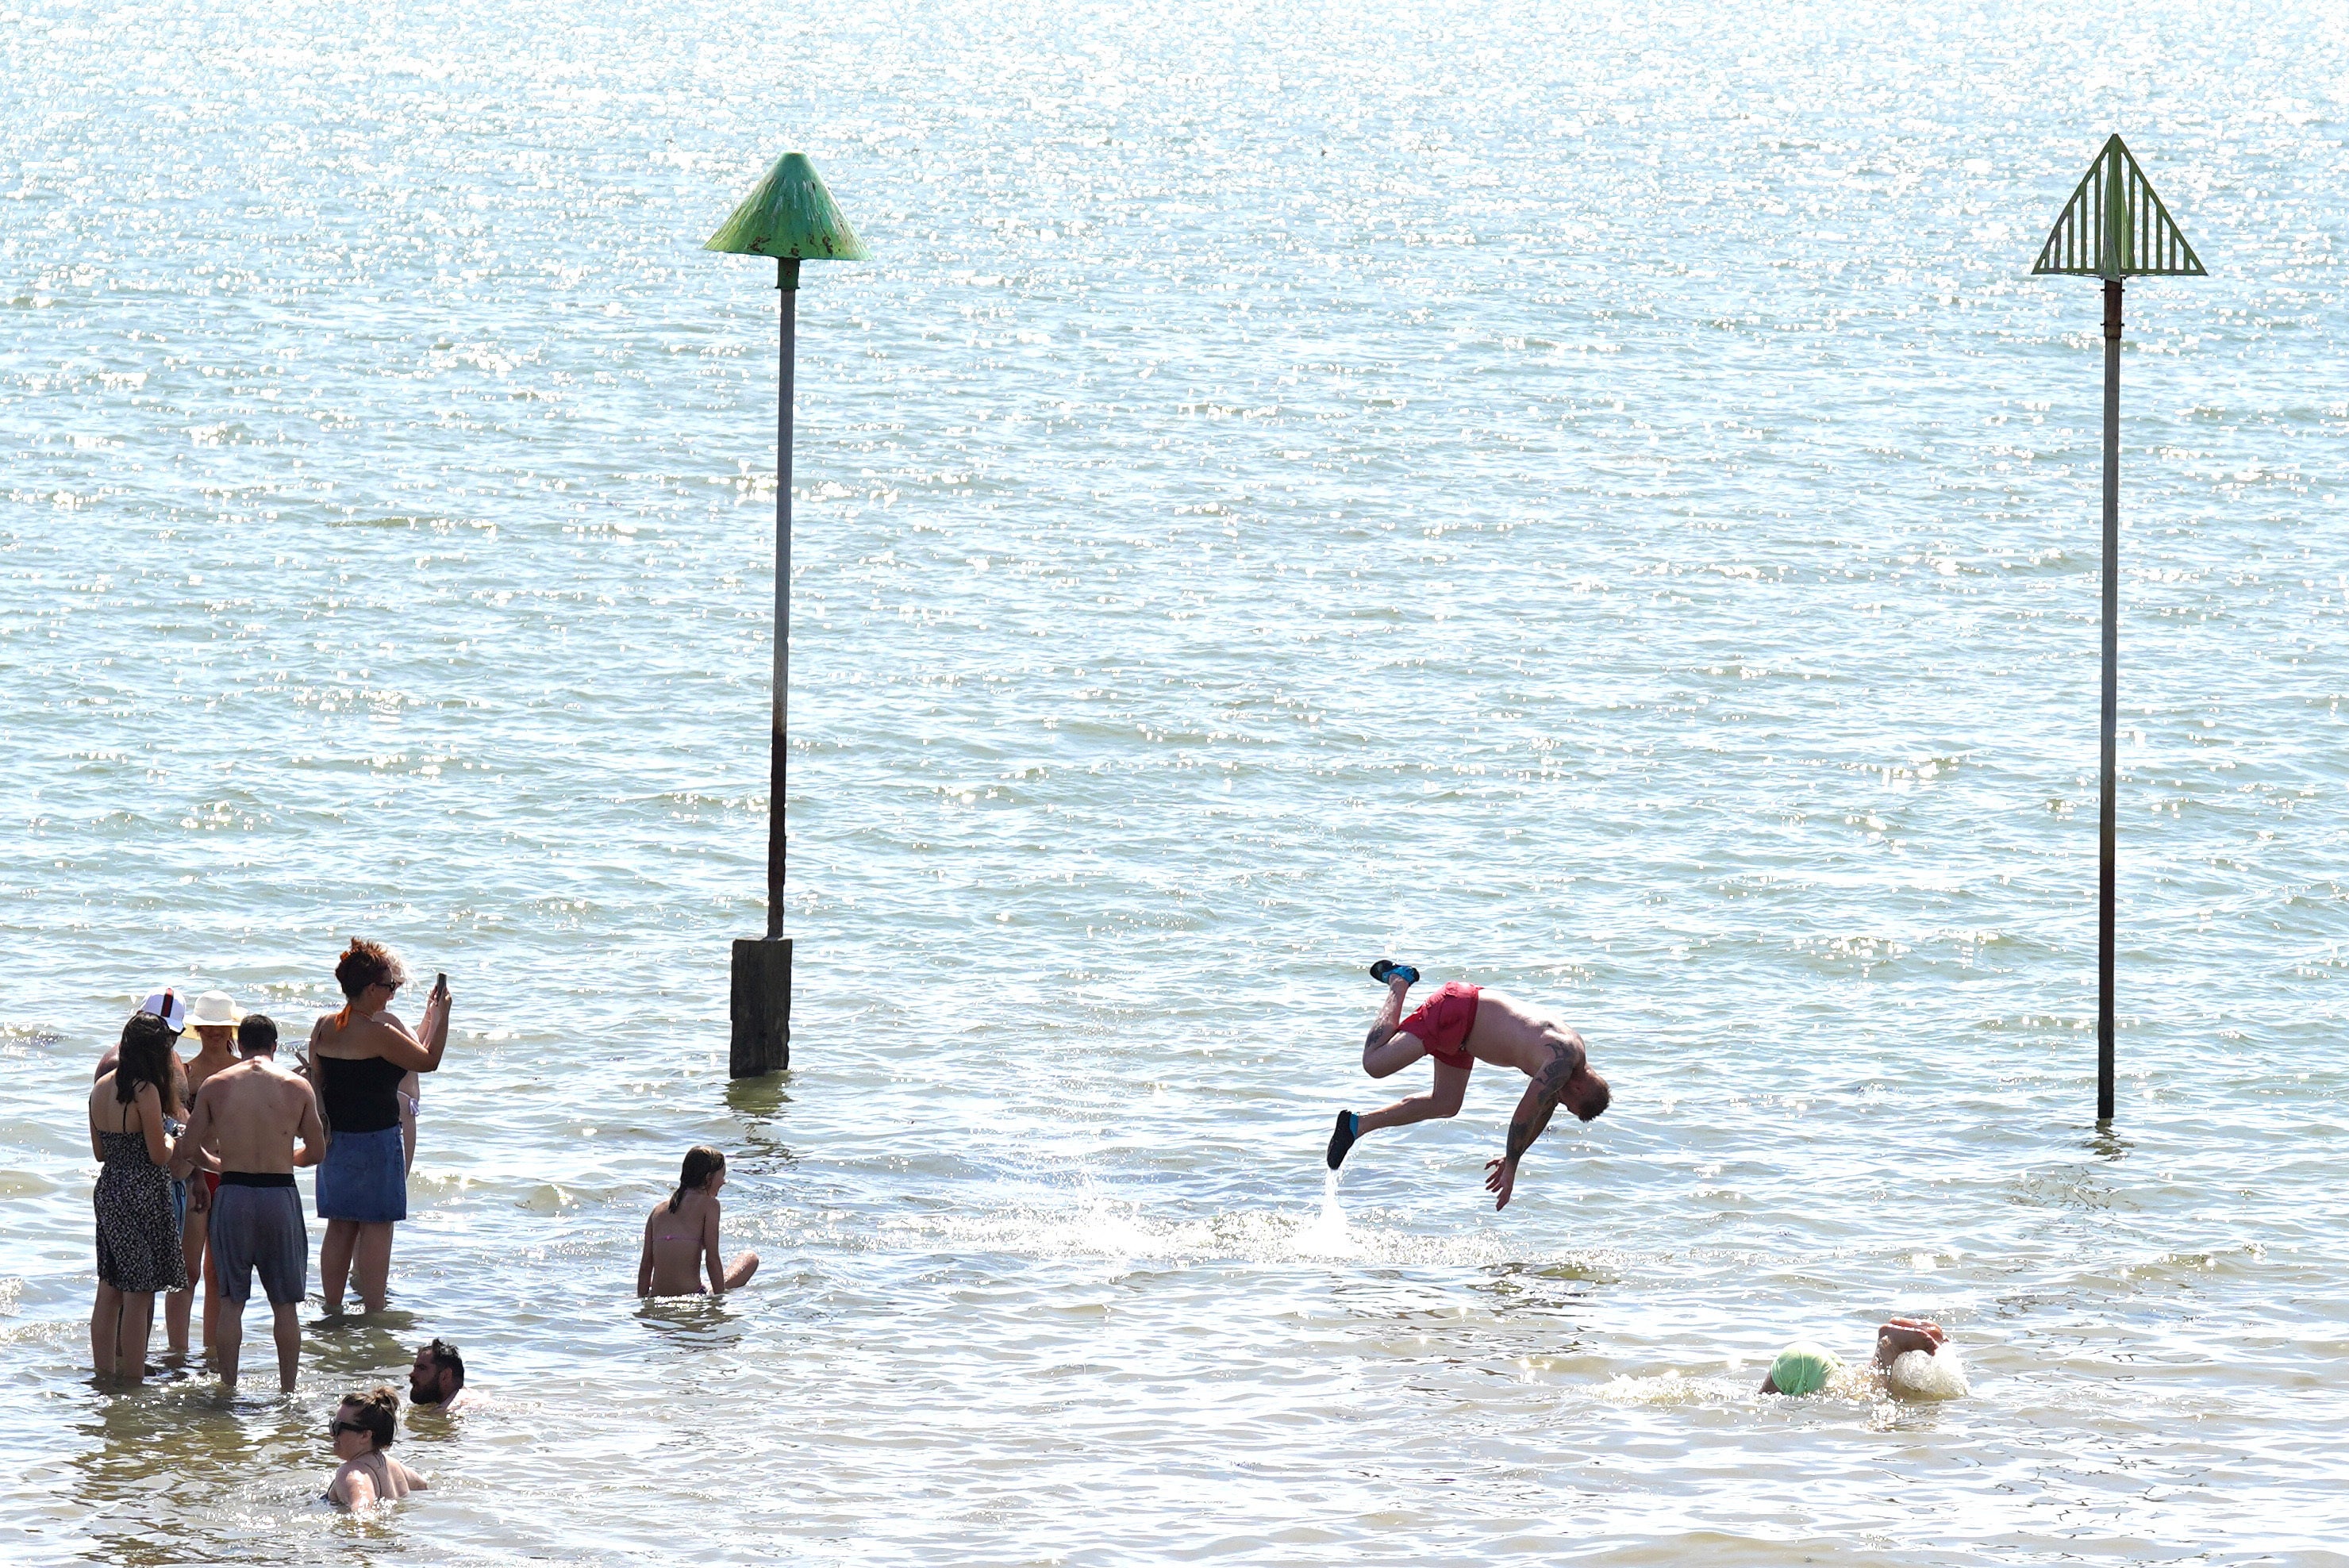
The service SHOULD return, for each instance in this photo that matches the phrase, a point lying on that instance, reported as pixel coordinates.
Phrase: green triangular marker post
(788, 216)
(2113, 228)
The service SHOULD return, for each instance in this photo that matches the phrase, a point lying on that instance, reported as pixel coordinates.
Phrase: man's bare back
(1509, 1032)
(1460, 1026)
(249, 1117)
(252, 1112)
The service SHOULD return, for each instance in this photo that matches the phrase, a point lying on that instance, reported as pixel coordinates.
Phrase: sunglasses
(337, 1428)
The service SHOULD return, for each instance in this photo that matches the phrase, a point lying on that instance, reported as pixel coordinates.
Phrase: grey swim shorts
(257, 1225)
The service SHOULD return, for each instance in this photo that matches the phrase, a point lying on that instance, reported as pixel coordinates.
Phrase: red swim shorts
(1443, 1022)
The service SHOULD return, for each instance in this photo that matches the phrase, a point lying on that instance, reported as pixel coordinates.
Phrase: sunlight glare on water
(1584, 498)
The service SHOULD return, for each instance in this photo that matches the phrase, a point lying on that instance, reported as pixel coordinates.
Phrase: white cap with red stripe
(169, 1006)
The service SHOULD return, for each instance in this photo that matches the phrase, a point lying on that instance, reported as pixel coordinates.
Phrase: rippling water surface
(1582, 497)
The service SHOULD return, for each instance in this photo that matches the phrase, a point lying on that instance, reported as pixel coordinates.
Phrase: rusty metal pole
(791, 217)
(2113, 228)
(2106, 820)
(787, 283)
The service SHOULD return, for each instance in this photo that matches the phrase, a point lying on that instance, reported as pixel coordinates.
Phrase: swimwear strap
(257, 1177)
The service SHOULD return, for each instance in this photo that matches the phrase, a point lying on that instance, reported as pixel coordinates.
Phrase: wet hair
(257, 1034)
(1587, 1095)
(362, 964)
(445, 1358)
(378, 1410)
(145, 1056)
(701, 1162)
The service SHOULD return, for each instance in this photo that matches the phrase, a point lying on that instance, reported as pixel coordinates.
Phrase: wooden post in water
(790, 216)
(2113, 228)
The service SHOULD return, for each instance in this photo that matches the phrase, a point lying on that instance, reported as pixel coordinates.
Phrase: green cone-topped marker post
(2113, 227)
(790, 216)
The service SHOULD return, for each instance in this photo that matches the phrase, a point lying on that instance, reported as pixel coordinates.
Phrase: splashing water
(1328, 1236)
(1940, 1375)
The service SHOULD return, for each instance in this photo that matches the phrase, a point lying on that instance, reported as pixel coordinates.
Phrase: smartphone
(440, 985)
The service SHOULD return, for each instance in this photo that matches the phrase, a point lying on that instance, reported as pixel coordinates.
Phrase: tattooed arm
(1389, 1020)
(1532, 1116)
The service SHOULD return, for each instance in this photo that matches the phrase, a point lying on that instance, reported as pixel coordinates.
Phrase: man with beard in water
(1461, 1026)
(437, 1381)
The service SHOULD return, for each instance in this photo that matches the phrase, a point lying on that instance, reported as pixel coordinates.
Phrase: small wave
(1112, 1230)
(1672, 1388)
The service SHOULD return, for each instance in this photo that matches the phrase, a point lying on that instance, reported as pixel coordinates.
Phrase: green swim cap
(1803, 1369)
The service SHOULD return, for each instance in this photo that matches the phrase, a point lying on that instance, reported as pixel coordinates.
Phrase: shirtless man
(437, 1382)
(1461, 1026)
(250, 1116)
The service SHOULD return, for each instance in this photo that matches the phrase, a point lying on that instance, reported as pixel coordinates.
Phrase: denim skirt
(364, 1177)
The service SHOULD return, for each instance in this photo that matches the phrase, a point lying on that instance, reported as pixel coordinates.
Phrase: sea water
(1586, 498)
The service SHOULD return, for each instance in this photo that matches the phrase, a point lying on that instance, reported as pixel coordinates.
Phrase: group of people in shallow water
(197, 1161)
(196, 1185)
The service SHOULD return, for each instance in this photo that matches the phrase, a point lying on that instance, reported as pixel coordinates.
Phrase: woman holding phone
(358, 1060)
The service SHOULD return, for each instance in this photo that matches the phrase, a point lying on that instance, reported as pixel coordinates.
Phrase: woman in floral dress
(138, 1250)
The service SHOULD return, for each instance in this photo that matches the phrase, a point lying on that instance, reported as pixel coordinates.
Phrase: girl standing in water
(138, 1233)
(683, 1232)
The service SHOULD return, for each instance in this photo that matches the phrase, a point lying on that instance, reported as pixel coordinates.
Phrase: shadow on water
(759, 1102)
(348, 1348)
(1549, 1288)
(2106, 1144)
(158, 1469)
(696, 1323)
(761, 1097)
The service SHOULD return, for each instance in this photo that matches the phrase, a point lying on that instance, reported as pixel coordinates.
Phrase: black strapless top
(361, 1096)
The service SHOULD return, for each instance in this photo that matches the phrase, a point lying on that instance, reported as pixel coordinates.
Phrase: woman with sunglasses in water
(358, 1059)
(363, 1427)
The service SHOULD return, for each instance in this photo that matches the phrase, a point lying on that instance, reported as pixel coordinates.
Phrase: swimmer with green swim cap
(1804, 1368)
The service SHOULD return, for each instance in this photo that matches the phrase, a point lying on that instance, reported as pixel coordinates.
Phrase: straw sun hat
(213, 1009)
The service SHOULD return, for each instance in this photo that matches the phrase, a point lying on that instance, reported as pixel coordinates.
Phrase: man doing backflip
(1460, 1026)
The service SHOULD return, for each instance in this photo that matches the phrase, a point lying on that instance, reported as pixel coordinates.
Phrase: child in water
(684, 1231)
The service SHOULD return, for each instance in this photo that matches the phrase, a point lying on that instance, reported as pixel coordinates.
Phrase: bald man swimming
(1461, 1026)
